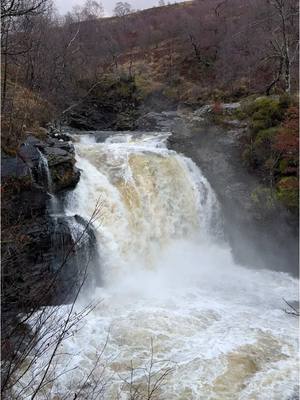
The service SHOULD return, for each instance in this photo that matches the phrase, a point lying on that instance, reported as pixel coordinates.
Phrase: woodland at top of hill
(191, 51)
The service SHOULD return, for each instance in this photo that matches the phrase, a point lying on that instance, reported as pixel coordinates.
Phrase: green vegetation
(265, 113)
(288, 193)
(271, 150)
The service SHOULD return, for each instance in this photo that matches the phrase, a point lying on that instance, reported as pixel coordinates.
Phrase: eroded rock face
(22, 197)
(60, 159)
(45, 261)
(44, 257)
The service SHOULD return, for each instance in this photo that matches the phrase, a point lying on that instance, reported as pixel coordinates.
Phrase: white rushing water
(218, 330)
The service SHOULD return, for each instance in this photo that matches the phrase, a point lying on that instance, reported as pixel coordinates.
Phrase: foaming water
(169, 278)
(150, 196)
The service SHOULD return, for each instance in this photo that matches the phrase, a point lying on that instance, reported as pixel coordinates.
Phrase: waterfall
(168, 278)
(44, 171)
(45, 176)
(67, 232)
(150, 197)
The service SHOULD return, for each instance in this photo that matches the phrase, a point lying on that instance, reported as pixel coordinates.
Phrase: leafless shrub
(145, 383)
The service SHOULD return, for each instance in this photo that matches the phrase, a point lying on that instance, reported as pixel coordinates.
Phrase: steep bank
(259, 235)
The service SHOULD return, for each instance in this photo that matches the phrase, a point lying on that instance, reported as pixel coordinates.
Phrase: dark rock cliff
(44, 256)
(110, 104)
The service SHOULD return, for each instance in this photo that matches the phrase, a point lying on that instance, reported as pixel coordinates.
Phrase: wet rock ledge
(43, 259)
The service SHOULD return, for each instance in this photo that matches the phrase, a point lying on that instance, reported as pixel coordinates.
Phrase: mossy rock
(288, 166)
(262, 146)
(248, 156)
(285, 101)
(263, 112)
(266, 135)
(64, 176)
(288, 192)
(263, 198)
(126, 120)
(283, 165)
(240, 114)
(266, 113)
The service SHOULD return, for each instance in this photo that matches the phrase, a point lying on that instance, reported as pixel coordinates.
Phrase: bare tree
(145, 382)
(122, 9)
(93, 9)
(12, 13)
(90, 10)
(12, 8)
(284, 45)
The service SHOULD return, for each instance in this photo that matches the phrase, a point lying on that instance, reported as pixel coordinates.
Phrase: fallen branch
(294, 311)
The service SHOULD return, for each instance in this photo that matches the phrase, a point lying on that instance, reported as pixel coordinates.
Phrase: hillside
(191, 51)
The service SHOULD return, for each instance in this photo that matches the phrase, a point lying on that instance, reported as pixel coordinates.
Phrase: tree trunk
(4, 78)
(277, 79)
(287, 76)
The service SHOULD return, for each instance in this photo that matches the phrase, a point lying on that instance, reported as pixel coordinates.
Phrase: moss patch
(271, 149)
(288, 192)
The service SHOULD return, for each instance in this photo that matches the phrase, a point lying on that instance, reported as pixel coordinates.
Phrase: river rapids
(174, 308)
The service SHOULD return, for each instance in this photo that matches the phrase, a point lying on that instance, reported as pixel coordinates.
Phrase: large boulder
(13, 168)
(60, 159)
(22, 196)
(46, 261)
(52, 162)
(164, 121)
(30, 154)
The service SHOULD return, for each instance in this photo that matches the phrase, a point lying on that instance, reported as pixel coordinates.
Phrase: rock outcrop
(58, 156)
(44, 261)
(111, 104)
(43, 255)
